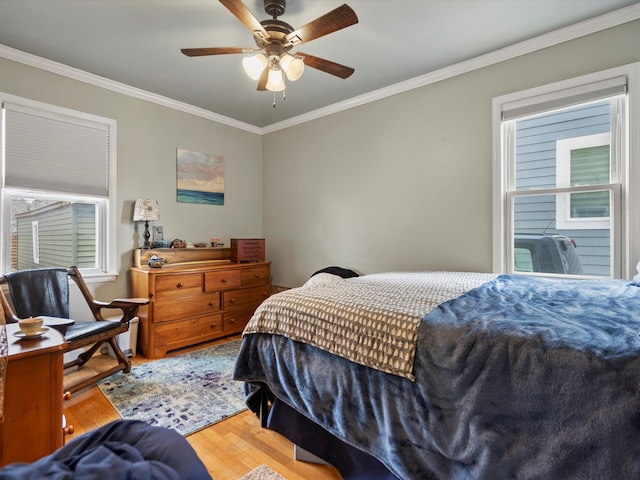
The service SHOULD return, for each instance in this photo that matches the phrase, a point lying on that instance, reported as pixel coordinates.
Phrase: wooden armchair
(45, 293)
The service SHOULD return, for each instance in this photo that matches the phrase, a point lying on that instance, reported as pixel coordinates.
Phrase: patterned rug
(263, 472)
(187, 392)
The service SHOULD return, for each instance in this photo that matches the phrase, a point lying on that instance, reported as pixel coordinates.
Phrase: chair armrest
(129, 307)
(121, 302)
(125, 302)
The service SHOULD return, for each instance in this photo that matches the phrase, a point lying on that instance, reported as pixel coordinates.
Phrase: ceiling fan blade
(245, 16)
(333, 21)
(262, 82)
(326, 65)
(198, 52)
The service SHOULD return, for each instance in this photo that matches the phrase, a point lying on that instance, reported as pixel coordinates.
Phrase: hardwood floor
(229, 448)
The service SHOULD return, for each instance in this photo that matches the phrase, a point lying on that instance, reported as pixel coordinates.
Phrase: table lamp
(146, 210)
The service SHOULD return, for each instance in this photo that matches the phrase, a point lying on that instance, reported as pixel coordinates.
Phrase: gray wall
(400, 183)
(406, 182)
(148, 135)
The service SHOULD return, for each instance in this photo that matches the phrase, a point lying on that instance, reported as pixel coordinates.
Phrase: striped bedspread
(371, 320)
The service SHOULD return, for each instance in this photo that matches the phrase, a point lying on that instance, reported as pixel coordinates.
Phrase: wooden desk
(32, 424)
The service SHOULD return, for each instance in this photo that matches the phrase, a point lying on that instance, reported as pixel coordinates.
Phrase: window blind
(53, 151)
(564, 98)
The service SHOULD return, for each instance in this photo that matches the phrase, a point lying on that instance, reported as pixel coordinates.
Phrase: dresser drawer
(255, 275)
(237, 298)
(178, 285)
(196, 329)
(236, 320)
(173, 309)
(222, 280)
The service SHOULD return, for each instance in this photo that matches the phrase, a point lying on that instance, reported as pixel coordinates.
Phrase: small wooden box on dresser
(198, 295)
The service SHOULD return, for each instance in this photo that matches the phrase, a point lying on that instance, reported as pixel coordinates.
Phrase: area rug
(262, 472)
(186, 393)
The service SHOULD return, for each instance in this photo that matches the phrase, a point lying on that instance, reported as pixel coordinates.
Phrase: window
(57, 188)
(564, 178)
(583, 160)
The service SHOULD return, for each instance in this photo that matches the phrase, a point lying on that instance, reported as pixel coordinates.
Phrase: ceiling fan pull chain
(274, 99)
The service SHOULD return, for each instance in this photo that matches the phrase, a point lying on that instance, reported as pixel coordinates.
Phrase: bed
(452, 375)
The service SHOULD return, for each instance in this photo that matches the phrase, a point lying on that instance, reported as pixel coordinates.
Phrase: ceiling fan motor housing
(277, 29)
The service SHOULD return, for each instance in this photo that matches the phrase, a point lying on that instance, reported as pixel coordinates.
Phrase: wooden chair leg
(122, 358)
(85, 356)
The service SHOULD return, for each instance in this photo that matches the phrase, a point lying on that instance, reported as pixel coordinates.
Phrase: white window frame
(626, 246)
(106, 261)
(35, 238)
(564, 147)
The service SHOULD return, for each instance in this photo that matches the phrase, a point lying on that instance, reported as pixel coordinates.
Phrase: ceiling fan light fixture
(275, 38)
(254, 66)
(292, 66)
(275, 82)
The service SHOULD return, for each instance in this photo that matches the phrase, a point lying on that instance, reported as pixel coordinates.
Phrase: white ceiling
(137, 43)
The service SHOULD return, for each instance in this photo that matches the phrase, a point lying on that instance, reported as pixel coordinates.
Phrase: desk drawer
(221, 280)
(174, 309)
(255, 275)
(237, 298)
(178, 285)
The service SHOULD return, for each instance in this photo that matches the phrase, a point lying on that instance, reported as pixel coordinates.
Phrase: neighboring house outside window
(583, 160)
(57, 188)
(562, 167)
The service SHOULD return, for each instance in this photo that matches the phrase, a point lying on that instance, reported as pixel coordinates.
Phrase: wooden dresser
(32, 426)
(196, 296)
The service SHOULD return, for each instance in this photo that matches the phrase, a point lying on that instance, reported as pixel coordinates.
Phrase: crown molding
(102, 82)
(587, 27)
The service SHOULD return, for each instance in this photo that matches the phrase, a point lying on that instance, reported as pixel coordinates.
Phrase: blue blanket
(524, 378)
(122, 449)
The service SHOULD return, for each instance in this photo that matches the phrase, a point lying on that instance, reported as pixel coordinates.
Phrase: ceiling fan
(276, 38)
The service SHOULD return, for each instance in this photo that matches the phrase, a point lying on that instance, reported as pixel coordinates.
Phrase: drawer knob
(179, 285)
(66, 396)
(211, 304)
(224, 280)
(68, 430)
(214, 325)
(233, 300)
(257, 275)
(233, 320)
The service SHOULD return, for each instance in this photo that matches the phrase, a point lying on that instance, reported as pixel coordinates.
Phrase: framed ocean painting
(200, 177)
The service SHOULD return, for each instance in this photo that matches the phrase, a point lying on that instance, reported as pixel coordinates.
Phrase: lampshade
(292, 66)
(253, 66)
(145, 209)
(275, 83)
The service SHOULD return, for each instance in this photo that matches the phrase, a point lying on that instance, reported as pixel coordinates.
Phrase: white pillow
(321, 278)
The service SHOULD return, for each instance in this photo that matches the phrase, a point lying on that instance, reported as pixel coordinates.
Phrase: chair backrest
(43, 291)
